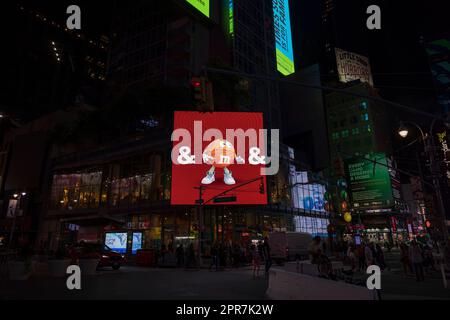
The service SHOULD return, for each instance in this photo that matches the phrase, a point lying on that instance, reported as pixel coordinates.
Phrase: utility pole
(200, 203)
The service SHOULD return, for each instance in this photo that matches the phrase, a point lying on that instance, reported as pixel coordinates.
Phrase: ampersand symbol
(254, 158)
(185, 156)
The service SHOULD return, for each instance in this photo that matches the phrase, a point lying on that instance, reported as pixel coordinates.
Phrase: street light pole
(429, 145)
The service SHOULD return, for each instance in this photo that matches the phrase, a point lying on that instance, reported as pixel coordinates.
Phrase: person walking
(404, 258)
(361, 257)
(179, 252)
(368, 254)
(379, 254)
(214, 257)
(256, 260)
(415, 254)
(266, 255)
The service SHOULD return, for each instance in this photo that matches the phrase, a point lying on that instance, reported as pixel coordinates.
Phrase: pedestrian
(256, 260)
(379, 254)
(314, 250)
(266, 255)
(368, 255)
(404, 258)
(361, 257)
(179, 252)
(190, 256)
(415, 254)
(214, 257)
(351, 257)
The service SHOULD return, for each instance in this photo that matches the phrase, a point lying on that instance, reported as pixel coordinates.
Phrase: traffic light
(261, 188)
(202, 94)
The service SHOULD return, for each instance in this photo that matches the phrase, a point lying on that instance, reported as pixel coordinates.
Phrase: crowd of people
(416, 257)
(222, 256)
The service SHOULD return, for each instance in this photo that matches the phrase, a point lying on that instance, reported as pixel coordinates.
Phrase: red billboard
(218, 157)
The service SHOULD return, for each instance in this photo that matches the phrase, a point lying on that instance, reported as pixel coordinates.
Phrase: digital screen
(357, 240)
(117, 241)
(283, 37)
(201, 5)
(137, 242)
(306, 196)
(216, 152)
(370, 181)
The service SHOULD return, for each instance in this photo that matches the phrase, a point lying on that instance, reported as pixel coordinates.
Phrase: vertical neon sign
(201, 5)
(283, 37)
(231, 17)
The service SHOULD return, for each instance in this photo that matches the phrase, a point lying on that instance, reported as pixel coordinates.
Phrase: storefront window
(71, 191)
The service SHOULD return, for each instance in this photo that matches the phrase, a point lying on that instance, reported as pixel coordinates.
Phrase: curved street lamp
(428, 140)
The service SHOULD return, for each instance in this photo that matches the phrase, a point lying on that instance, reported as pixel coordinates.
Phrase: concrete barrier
(285, 285)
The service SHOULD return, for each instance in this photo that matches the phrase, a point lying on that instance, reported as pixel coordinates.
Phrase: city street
(135, 283)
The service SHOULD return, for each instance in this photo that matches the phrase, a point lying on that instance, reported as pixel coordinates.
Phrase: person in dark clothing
(379, 257)
(191, 256)
(214, 257)
(266, 255)
(180, 255)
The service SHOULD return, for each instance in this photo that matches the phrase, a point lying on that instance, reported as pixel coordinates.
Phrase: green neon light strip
(201, 5)
(284, 65)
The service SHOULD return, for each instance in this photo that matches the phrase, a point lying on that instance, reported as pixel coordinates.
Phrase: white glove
(207, 158)
(240, 160)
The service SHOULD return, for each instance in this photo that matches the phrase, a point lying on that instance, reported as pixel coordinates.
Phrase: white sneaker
(209, 178)
(228, 178)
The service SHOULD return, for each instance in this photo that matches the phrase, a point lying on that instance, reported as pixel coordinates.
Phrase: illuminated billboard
(217, 155)
(117, 241)
(352, 66)
(306, 196)
(283, 37)
(137, 242)
(201, 5)
(370, 181)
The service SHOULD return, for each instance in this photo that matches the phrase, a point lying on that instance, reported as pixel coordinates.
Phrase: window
(355, 131)
(365, 117)
(363, 105)
(345, 134)
(335, 135)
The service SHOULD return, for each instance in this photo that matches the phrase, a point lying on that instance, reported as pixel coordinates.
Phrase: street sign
(225, 199)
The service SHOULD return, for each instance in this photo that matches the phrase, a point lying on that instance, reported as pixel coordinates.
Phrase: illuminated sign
(443, 141)
(352, 66)
(218, 155)
(201, 5)
(306, 196)
(231, 17)
(283, 37)
(116, 241)
(370, 181)
(137, 242)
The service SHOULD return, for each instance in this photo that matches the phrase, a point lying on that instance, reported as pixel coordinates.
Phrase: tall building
(51, 67)
(356, 125)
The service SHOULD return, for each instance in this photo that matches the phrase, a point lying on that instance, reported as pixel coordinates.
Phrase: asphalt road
(134, 283)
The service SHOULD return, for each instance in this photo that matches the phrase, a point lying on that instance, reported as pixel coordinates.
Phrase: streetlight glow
(15, 195)
(403, 131)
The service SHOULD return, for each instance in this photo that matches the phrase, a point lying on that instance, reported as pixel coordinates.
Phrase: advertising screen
(307, 196)
(117, 241)
(201, 5)
(217, 155)
(352, 66)
(370, 181)
(137, 242)
(283, 37)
